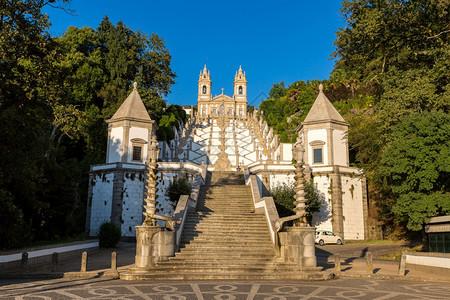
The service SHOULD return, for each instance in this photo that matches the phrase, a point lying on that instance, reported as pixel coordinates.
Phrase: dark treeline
(391, 83)
(55, 95)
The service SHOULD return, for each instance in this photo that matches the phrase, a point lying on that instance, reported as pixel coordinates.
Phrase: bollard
(24, 262)
(337, 263)
(114, 262)
(402, 265)
(369, 262)
(54, 261)
(83, 261)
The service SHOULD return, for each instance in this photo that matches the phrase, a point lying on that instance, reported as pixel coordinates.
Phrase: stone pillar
(117, 198)
(144, 246)
(337, 220)
(297, 246)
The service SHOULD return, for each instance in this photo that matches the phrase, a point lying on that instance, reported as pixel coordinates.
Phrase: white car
(327, 237)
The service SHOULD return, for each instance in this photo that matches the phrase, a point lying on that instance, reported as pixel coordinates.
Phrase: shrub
(178, 187)
(284, 197)
(109, 235)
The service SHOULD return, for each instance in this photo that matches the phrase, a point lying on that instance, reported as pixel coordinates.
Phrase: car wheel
(321, 243)
(339, 242)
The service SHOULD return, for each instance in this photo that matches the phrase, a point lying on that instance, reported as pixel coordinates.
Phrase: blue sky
(272, 40)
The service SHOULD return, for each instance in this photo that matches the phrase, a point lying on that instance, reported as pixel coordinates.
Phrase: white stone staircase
(224, 239)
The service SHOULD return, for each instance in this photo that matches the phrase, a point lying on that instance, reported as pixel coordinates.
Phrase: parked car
(327, 237)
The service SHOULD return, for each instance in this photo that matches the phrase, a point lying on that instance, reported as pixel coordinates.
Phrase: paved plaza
(343, 288)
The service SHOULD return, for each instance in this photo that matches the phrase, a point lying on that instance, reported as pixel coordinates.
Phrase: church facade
(222, 105)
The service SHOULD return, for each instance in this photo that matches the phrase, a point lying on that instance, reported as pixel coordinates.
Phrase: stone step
(230, 211)
(231, 231)
(248, 241)
(234, 244)
(221, 223)
(225, 204)
(228, 223)
(233, 248)
(220, 217)
(218, 263)
(228, 244)
(228, 269)
(211, 228)
(227, 254)
(225, 215)
(252, 239)
(190, 275)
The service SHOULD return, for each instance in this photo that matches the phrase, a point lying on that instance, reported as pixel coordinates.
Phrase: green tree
(278, 90)
(416, 166)
(26, 90)
(55, 94)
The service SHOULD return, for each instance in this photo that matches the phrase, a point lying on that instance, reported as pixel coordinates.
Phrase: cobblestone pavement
(343, 288)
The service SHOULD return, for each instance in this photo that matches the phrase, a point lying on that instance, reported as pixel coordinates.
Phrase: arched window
(240, 90)
(204, 89)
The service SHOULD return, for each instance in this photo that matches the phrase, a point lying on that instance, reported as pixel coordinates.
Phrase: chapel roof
(132, 108)
(323, 111)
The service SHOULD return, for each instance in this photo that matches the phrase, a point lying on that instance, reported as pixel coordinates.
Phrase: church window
(204, 89)
(230, 112)
(240, 90)
(204, 112)
(240, 112)
(318, 158)
(214, 111)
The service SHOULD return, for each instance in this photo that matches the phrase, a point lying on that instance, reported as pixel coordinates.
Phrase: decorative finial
(135, 85)
(320, 88)
(222, 90)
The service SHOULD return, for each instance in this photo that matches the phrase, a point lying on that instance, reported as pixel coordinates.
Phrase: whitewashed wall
(352, 208)
(140, 133)
(317, 135)
(164, 205)
(102, 193)
(132, 206)
(280, 179)
(340, 148)
(322, 219)
(115, 145)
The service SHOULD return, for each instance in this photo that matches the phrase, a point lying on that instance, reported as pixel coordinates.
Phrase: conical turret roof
(323, 111)
(132, 108)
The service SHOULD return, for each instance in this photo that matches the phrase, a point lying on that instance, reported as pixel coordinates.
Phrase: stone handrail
(266, 204)
(180, 216)
(280, 222)
(183, 205)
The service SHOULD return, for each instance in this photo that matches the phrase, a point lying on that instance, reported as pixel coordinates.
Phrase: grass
(397, 254)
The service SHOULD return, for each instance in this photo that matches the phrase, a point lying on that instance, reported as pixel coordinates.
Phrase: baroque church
(222, 136)
(222, 105)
